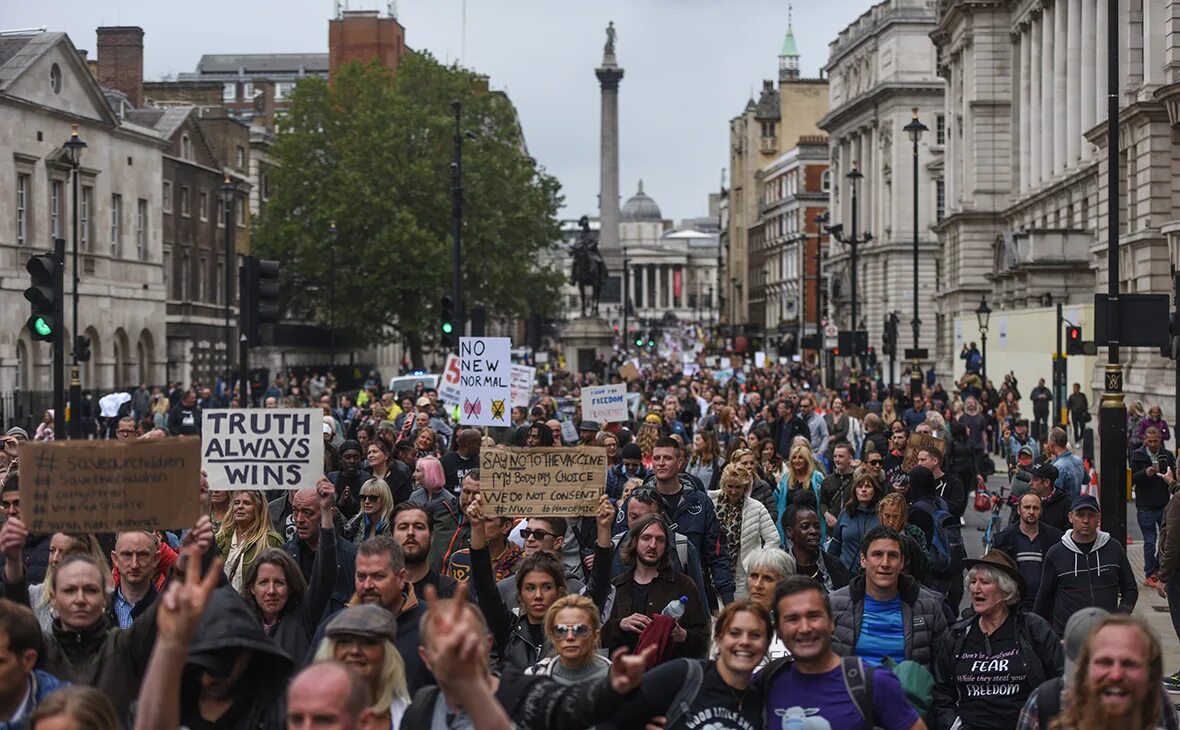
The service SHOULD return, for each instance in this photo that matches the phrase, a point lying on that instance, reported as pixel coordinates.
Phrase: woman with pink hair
(428, 480)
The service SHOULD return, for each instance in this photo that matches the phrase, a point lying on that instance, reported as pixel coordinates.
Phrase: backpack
(682, 702)
(1049, 701)
(916, 681)
(947, 550)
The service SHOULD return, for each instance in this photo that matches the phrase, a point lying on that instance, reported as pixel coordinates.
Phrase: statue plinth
(583, 340)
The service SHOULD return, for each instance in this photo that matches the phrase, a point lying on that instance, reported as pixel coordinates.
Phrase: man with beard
(1117, 683)
(305, 542)
(412, 528)
(1027, 542)
(349, 479)
(1054, 502)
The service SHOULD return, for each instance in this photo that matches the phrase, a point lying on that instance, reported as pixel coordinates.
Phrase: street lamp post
(821, 222)
(983, 313)
(854, 177)
(229, 193)
(915, 129)
(457, 217)
(73, 147)
(332, 235)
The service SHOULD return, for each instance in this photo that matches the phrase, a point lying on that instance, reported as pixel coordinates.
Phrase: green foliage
(373, 154)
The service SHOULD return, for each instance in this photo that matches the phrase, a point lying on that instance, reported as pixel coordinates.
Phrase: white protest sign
(268, 448)
(485, 380)
(523, 378)
(448, 384)
(569, 432)
(759, 359)
(604, 403)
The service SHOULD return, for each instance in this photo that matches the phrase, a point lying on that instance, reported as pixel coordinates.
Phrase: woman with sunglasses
(574, 628)
(376, 507)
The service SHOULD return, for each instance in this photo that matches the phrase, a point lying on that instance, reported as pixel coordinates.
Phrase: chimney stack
(120, 61)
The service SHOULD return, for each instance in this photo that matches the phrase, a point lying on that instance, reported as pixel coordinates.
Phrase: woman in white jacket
(744, 520)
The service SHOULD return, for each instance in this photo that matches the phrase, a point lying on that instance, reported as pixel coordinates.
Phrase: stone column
(1089, 92)
(1100, 62)
(658, 270)
(640, 286)
(1023, 110)
(1073, 120)
(1045, 132)
(1034, 104)
(1060, 85)
(609, 76)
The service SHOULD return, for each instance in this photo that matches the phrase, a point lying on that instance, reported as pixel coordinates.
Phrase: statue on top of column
(611, 35)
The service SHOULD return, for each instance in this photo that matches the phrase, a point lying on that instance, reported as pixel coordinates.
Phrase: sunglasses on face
(370, 497)
(539, 535)
(876, 462)
(578, 630)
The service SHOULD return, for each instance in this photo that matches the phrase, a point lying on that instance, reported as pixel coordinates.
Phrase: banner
(448, 384)
(108, 486)
(605, 403)
(262, 448)
(542, 482)
(485, 381)
(916, 443)
(628, 372)
(523, 378)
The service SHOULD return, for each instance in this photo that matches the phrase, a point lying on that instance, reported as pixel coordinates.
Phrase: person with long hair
(288, 607)
(726, 428)
(894, 513)
(573, 627)
(858, 516)
(649, 434)
(770, 464)
(62, 545)
(363, 639)
(426, 441)
(244, 534)
(382, 466)
(800, 474)
(219, 507)
(744, 521)
(706, 463)
(75, 708)
(993, 660)
(838, 424)
(376, 506)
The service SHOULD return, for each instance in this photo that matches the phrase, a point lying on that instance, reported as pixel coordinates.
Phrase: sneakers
(1152, 582)
(1172, 683)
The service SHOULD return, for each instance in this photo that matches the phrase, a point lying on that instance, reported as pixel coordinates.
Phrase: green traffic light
(651, 343)
(639, 342)
(42, 327)
(448, 328)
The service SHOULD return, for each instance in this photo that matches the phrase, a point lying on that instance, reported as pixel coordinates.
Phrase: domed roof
(641, 209)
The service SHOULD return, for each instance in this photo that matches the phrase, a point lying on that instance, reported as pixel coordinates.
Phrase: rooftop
(262, 63)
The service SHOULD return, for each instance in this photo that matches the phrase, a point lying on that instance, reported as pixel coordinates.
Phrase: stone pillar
(1089, 92)
(640, 287)
(609, 76)
(1034, 106)
(1155, 42)
(1073, 120)
(1060, 85)
(1045, 132)
(659, 274)
(1100, 62)
(1023, 110)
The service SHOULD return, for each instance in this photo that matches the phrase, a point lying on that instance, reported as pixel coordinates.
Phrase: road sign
(831, 330)
(919, 354)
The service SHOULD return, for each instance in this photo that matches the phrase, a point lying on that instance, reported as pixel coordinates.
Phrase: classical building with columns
(1026, 201)
(882, 68)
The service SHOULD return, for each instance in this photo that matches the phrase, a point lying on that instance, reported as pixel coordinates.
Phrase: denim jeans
(1149, 522)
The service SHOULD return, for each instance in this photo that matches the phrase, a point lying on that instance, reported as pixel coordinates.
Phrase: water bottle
(675, 608)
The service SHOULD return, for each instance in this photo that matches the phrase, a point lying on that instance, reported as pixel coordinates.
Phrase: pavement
(1150, 607)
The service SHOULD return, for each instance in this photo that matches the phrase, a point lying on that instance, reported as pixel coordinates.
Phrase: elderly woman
(858, 516)
(362, 638)
(990, 663)
(373, 519)
(1154, 419)
(574, 628)
(744, 520)
(764, 568)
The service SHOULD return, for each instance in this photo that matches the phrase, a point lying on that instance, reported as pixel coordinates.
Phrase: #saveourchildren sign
(269, 448)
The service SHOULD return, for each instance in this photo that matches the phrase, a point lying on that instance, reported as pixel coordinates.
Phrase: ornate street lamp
(983, 314)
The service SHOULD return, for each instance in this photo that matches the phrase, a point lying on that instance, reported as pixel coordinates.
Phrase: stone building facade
(882, 68)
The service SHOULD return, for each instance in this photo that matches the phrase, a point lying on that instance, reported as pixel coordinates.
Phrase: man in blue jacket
(22, 688)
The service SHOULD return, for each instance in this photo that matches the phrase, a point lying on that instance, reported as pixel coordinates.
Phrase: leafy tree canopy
(372, 153)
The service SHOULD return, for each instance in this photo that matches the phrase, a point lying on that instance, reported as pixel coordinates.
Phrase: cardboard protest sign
(268, 448)
(917, 442)
(628, 372)
(108, 486)
(521, 387)
(856, 412)
(448, 384)
(485, 381)
(542, 482)
(605, 403)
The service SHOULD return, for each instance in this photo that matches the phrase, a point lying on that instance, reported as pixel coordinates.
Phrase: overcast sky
(690, 66)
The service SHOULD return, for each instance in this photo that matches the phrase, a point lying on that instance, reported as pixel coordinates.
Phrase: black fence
(24, 408)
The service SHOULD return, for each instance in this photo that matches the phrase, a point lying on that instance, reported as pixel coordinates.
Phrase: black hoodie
(922, 490)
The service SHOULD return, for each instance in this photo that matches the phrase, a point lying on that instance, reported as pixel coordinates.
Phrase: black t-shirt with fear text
(991, 676)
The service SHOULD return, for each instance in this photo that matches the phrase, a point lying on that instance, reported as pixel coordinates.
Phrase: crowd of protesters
(766, 552)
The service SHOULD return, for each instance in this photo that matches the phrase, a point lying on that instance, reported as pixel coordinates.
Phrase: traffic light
(639, 339)
(82, 348)
(1073, 340)
(45, 294)
(446, 321)
(260, 297)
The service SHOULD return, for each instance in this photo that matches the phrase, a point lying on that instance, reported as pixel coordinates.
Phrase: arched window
(186, 147)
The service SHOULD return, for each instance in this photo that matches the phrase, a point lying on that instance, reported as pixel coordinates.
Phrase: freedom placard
(267, 448)
(604, 403)
(485, 381)
(108, 486)
(917, 442)
(521, 387)
(542, 482)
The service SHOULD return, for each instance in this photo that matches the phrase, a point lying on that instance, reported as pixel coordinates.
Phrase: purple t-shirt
(823, 703)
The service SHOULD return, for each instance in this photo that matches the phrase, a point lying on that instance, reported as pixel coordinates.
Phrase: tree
(372, 154)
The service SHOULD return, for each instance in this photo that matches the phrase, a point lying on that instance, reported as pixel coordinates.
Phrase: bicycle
(995, 521)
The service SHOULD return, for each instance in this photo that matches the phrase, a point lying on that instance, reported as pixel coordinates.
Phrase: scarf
(730, 517)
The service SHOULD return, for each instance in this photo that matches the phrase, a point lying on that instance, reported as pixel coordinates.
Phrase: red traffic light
(1074, 334)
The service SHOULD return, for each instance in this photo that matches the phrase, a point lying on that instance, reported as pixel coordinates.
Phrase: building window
(825, 181)
(185, 273)
(85, 206)
(141, 229)
(186, 147)
(184, 206)
(203, 205)
(55, 202)
(229, 91)
(167, 196)
(22, 209)
(202, 278)
(240, 210)
(940, 129)
(241, 157)
(116, 225)
(168, 293)
(248, 90)
(219, 284)
(939, 200)
(220, 212)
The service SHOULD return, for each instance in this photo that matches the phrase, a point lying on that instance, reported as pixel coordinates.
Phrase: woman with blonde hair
(74, 708)
(362, 638)
(245, 533)
(376, 506)
(799, 474)
(574, 628)
(888, 412)
(894, 513)
(60, 546)
(744, 521)
(649, 433)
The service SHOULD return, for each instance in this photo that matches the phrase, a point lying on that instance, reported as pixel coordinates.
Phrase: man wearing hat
(1054, 502)
(1026, 542)
(630, 466)
(1086, 568)
(587, 430)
